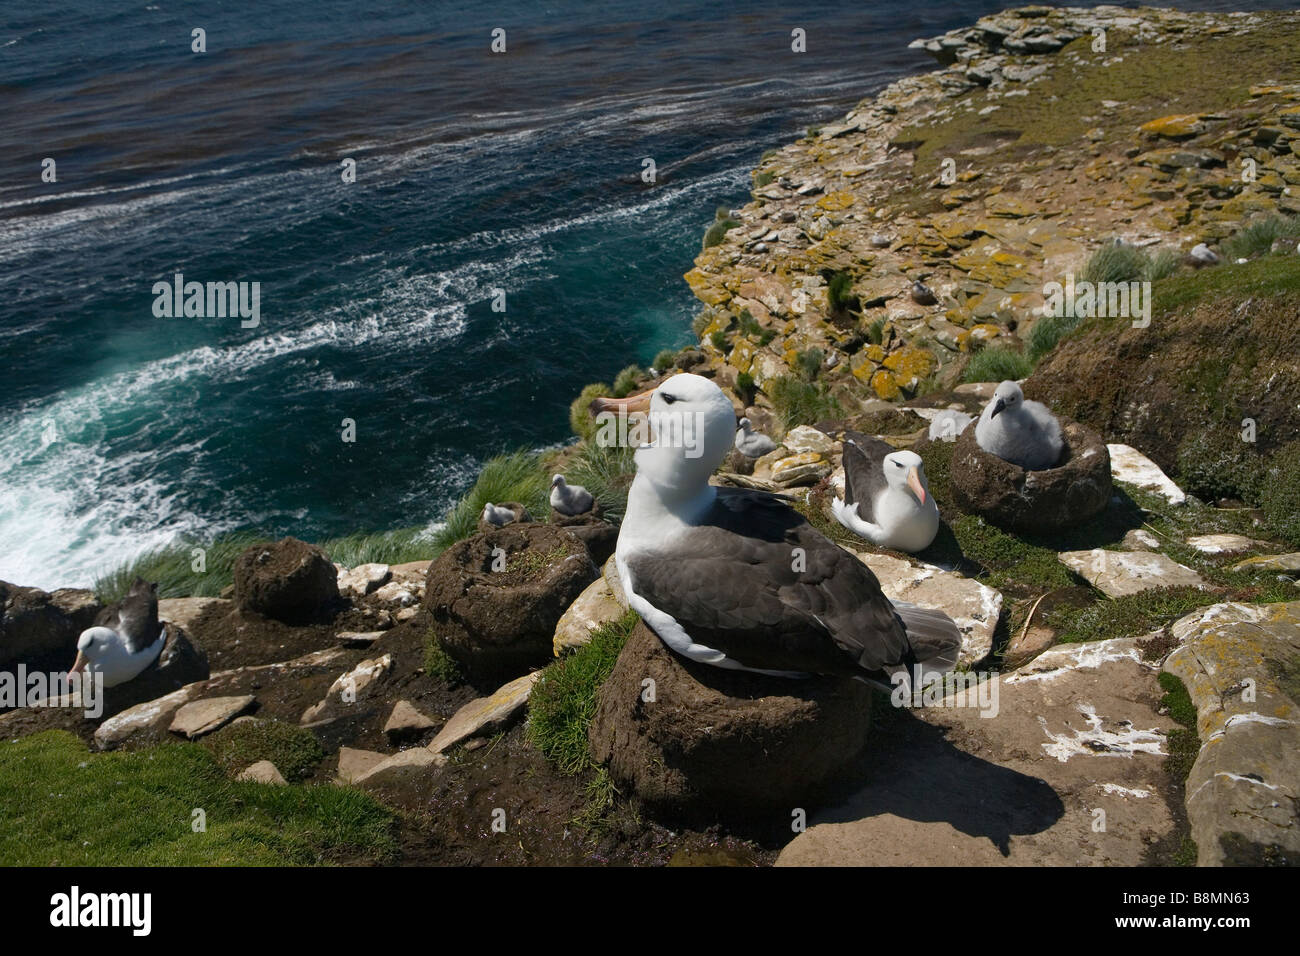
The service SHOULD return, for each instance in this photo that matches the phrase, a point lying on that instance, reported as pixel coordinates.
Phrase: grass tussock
(606, 472)
(997, 364)
(187, 568)
(1257, 238)
(438, 664)
(515, 476)
(626, 381)
(799, 402)
(563, 702)
(581, 421)
(66, 806)
(1125, 263)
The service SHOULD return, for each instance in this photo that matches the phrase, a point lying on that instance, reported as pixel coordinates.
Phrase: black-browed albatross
(130, 639)
(737, 578)
(886, 497)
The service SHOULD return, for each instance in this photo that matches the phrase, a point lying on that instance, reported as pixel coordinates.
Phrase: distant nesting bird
(886, 498)
(570, 499)
(1023, 433)
(750, 443)
(497, 515)
(129, 639)
(1202, 255)
(948, 424)
(922, 294)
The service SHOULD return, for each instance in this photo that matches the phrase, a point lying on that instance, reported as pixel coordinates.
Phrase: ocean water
(121, 431)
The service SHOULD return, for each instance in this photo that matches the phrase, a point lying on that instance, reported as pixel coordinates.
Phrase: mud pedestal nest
(714, 740)
(1033, 501)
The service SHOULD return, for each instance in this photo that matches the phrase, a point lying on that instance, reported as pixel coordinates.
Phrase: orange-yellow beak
(914, 482)
(80, 664)
(625, 406)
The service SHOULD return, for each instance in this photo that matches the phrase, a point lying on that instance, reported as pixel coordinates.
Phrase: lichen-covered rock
(495, 598)
(714, 739)
(1239, 663)
(288, 580)
(1033, 501)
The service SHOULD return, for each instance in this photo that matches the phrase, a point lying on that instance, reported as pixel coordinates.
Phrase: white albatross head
(692, 427)
(905, 470)
(1007, 395)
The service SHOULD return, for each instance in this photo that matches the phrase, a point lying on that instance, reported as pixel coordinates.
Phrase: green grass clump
(1114, 263)
(515, 476)
(438, 663)
(797, 402)
(997, 364)
(718, 340)
(876, 331)
(172, 567)
(625, 382)
(563, 700)
(744, 383)
(1128, 616)
(748, 324)
(716, 232)
(382, 547)
(1257, 238)
(65, 806)
(606, 472)
(1046, 333)
(839, 292)
(1279, 494)
(664, 361)
(810, 363)
(763, 178)
(294, 751)
(581, 421)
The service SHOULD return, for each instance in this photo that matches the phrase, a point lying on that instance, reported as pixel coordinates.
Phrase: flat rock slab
(354, 763)
(406, 721)
(973, 606)
(1226, 544)
(200, 717)
(152, 714)
(595, 606)
(486, 713)
(1130, 466)
(363, 579)
(1275, 562)
(185, 611)
(948, 787)
(349, 688)
(355, 639)
(1239, 663)
(262, 772)
(1139, 539)
(399, 766)
(1117, 573)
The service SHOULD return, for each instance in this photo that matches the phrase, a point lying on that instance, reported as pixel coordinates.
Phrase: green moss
(1280, 494)
(1259, 278)
(438, 664)
(1128, 616)
(563, 701)
(294, 751)
(63, 805)
(763, 178)
(1007, 558)
(581, 421)
(997, 364)
(1215, 463)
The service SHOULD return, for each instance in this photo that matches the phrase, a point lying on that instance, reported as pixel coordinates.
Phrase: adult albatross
(130, 639)
(739, 579)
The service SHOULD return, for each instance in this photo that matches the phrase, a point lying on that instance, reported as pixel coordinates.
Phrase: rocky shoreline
(1144, 661)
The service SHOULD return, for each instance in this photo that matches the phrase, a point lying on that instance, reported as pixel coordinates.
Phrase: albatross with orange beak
(129, 639)
(737, 578)
(886, 498)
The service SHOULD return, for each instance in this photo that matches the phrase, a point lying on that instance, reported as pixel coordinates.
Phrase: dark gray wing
(137, 615)
(737, 584)
(864, 471)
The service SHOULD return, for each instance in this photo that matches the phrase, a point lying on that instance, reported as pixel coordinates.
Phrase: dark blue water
(476, 172)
